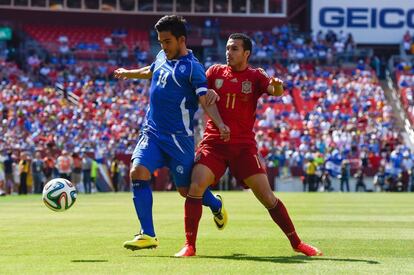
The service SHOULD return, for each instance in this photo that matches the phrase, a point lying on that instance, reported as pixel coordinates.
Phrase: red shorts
(243, 160)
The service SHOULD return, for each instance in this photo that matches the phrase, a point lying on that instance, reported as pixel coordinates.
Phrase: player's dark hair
(247, 42)
(172, 23)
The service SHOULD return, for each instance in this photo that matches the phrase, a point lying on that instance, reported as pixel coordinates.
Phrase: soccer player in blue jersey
(178, 85)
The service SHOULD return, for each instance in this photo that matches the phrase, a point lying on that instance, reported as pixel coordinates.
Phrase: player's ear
(181, 39)
(247, 54)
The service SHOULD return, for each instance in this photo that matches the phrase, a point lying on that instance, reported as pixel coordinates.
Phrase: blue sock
(211, 201)
(143, 205)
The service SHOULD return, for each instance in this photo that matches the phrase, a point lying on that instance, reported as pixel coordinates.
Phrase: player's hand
(121, 73)
(211, 97)
(277, 84)
(224, 132)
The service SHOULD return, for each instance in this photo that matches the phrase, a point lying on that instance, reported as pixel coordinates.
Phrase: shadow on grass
(89, 261)
(298, 259)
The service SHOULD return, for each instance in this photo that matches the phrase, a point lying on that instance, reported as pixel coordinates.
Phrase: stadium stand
(95, 42)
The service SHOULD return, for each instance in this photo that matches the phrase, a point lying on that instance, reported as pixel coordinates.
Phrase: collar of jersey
(229, 69)
(188, 55)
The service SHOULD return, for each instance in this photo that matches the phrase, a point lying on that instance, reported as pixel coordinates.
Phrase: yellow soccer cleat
(142, 241)
(220, 218)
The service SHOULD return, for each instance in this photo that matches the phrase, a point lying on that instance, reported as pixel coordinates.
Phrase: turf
(358, 233)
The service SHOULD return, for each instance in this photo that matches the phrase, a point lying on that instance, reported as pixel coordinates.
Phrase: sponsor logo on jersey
(234, 80)
(218, 83)
(246, 87)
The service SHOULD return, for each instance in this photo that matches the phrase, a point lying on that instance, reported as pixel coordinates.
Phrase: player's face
(170, 44)
(235, 53)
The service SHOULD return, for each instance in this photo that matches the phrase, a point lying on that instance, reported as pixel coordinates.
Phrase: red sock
(192, 215)
(281, 217)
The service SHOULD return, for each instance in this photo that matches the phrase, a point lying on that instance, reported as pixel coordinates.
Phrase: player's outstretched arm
(275, 87)
(142, 73)
(213, 113)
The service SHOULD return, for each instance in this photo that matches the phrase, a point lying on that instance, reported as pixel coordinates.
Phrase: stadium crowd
(347, 120)
(329, 122)
(283, 44)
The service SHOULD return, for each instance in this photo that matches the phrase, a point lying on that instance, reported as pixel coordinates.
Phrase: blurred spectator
(310, 175)
(94, 176)
(360, 181)
(115, 173)
(407, 41)
(63, 39)
(379, 180)
(37, 171)
(24, 170)
(345, 175)
(86, 172)
(10, 183)
(64, 165)
(49, 167)
(2, 177)
(77, 169)
(326, 181)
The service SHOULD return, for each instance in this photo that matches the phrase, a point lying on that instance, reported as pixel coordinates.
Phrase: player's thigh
(180, 154)
(211, 164)
(147, 157)
(260, 186)
(246, 163)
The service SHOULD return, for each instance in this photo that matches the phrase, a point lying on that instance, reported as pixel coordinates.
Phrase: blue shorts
(156, 150)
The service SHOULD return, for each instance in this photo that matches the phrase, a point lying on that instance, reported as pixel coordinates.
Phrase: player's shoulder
(216, 68)
(258, 71)
(161, 55)
(192, 62)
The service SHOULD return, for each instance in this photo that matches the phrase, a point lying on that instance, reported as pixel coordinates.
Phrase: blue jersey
(175, 87)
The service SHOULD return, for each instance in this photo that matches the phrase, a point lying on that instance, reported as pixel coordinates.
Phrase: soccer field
(358, 233)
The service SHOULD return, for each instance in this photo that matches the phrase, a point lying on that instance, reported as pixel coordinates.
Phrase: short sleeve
(159, 58)
(209, 75)
(198, 79)
(152, 67)
(264, 80)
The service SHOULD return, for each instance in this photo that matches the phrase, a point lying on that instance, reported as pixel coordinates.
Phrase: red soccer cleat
(308, 250)
(186, 251)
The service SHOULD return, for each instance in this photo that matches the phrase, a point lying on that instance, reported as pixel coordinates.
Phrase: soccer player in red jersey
(238, 86)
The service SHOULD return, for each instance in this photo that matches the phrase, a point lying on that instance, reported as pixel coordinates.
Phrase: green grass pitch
(358, 233)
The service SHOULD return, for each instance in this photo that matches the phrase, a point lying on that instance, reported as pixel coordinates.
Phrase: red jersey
(239, 92)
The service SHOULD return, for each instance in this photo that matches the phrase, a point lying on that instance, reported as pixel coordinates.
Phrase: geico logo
(388, 18)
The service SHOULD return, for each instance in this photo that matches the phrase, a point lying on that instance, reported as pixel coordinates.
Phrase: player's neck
(183, 52)
(240, 67)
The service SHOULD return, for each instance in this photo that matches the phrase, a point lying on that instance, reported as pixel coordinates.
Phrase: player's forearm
(213, 113)
(142, 73)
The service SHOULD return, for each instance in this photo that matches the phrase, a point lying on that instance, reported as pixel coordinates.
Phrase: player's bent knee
(198, 188)
(202, 177)
(183, 191)
(139, 173)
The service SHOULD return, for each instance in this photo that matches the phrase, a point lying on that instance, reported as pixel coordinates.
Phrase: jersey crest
(246, 87)
(218, 83)
(182, 68)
